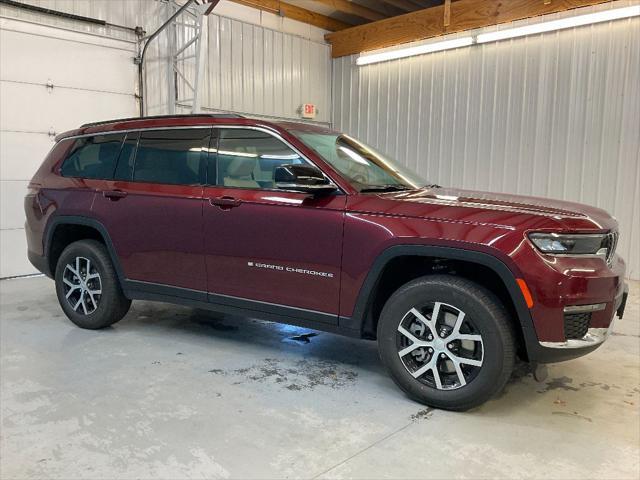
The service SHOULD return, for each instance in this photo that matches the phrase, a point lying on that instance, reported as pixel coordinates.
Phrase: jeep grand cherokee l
(304, 225)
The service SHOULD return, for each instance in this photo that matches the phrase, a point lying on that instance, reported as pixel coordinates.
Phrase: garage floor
(170, 392)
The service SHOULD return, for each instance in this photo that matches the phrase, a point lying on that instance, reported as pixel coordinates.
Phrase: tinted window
(93, 157)
(171, 156)
(248, 158)
(124, 170)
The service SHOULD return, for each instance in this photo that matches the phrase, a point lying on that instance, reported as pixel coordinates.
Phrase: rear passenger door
(152, 210)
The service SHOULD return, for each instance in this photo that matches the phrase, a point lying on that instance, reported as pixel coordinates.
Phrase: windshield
(366, 169)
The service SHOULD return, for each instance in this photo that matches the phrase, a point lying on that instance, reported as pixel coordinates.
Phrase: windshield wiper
(392, 187)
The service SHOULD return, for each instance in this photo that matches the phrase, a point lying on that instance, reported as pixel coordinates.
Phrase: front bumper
(594, 336)
(563, 285)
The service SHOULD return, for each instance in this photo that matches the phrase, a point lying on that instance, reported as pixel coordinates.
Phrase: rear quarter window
(93, 157)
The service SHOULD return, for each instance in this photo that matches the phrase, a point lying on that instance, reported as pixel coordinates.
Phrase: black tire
(485, 315)
(110, 305)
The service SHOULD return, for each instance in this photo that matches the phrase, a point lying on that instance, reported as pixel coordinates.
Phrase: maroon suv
(304, 225)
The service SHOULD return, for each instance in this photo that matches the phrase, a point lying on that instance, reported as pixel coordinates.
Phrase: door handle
(225, 202)
(114, 194)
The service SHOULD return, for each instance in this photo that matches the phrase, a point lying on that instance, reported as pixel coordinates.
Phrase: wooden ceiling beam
(429, 22)
(296, 13)
(353, 8)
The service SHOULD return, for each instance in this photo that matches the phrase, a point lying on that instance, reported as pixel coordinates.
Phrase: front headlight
(561, 244)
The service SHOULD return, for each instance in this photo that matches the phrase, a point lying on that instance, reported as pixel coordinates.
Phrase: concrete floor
(170, 392)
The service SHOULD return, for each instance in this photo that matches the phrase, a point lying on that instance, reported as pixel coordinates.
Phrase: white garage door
(93, 78)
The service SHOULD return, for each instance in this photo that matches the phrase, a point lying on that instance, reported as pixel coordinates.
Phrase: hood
(497, 208)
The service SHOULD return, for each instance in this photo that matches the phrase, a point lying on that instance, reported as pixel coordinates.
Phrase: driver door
(264, 245)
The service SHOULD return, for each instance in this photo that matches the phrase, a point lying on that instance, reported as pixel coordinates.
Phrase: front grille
(576, 325)
(610, 242)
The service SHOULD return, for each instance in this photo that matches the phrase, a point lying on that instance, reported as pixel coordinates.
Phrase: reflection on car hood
(454, 197)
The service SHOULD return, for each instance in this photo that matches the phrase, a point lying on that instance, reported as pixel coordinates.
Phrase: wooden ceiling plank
(385, 33)
(353, 8)
(404, 5)
(296, 13)
(429, 22)
(470, 14)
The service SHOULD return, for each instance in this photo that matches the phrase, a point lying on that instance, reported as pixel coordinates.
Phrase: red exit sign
(308, 110)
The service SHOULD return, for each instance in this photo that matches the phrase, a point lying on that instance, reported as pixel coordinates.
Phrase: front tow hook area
(540, 372)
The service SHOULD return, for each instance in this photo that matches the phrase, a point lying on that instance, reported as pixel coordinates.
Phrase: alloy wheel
(82, 286)
(440, 346)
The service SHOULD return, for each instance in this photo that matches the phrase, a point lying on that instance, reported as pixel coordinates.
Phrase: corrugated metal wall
(262, 71)
(555, 115)
(249, 69)
(127, 13)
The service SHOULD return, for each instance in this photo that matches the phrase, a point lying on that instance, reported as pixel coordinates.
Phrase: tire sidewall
(101, 316)
(433, 290)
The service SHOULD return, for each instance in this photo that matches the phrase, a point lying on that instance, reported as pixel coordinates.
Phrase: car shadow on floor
(203, 327)
(319, 345)
(288, 343)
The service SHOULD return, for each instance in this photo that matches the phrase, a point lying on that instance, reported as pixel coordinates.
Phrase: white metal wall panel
(128, 13)
(92, 77)
(255, 70)
(555, 115)
(249, 68)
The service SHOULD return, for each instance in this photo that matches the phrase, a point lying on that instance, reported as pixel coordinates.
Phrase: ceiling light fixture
(542, 27)
(560, 24)
(412, 51)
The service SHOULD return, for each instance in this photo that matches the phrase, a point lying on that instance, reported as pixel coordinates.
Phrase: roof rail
(206, 115)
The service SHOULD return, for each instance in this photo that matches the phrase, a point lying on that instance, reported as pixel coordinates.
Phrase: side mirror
(302, 178)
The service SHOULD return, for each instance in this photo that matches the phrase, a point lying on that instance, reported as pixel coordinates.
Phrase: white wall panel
(255, 70)
(250, 68)
(13, 254)
(59, 110)
(555, 115)
(93, 77)
(12, 194)
(130, 13)
(81, 66)
(22, 153)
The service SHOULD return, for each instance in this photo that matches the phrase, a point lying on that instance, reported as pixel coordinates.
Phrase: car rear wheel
(87, 286)
(446, 341)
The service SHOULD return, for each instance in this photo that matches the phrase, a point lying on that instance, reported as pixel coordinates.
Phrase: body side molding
(137, 290)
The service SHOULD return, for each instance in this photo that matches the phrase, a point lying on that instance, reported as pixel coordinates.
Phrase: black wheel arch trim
(508, 277)
(59, 220)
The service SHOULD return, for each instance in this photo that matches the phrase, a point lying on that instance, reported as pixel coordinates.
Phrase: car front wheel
(87, 286)
(446, 341)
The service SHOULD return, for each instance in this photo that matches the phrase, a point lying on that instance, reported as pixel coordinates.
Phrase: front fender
(507, 274)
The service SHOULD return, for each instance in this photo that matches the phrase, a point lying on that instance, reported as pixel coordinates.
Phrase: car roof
(164, 121)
